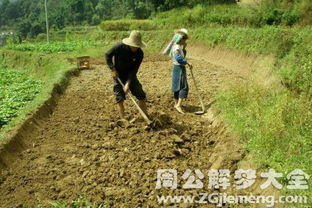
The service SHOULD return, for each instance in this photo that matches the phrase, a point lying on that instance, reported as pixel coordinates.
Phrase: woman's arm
(179, 58)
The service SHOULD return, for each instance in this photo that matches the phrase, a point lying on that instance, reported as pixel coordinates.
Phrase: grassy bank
(275, 124)
(276, 127)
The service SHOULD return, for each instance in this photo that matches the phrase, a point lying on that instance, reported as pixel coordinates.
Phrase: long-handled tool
(136, 105)
(199, 96)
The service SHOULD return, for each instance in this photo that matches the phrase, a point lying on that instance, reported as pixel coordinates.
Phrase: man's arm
(109, 59)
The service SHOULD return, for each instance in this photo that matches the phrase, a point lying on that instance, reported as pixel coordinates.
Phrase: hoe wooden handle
(197, 90)
(136, 104)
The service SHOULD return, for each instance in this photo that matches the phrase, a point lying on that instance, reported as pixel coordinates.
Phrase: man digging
(124, 60)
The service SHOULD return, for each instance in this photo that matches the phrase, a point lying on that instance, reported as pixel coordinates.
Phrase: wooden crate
(83, 62)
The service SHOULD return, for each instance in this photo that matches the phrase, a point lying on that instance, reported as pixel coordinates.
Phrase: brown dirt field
(81, 150)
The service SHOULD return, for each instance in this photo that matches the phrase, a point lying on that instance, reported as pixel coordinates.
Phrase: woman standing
(180, 86)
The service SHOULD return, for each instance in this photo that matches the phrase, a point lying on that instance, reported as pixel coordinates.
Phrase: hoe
(150, 124)
(199, 96)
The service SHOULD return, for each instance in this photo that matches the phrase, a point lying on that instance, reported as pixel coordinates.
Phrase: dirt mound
(80, 149)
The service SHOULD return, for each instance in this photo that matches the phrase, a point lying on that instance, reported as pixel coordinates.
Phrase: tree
(3, 8)
(24, 28)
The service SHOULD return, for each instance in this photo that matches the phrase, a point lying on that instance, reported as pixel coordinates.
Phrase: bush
(41, 37)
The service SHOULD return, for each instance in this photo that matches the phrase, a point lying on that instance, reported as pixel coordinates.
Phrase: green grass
(275, 126)
(296, 65)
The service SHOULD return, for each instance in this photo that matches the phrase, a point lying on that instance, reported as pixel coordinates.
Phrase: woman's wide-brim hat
(134, 40)
(184, 32)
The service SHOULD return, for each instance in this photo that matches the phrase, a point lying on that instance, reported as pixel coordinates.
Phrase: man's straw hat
(135, 40)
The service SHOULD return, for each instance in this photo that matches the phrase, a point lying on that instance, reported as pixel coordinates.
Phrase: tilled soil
(82, 149)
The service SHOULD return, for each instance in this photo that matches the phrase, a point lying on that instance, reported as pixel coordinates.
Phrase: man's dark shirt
(126, 62)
